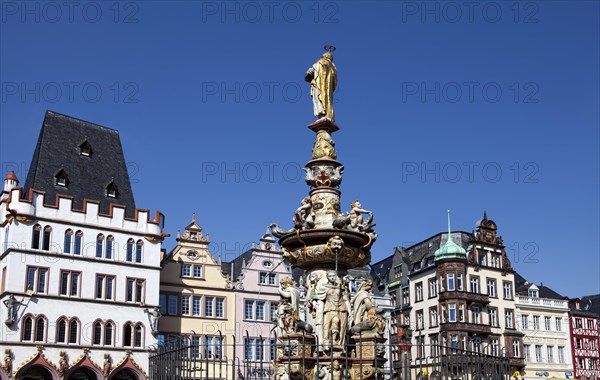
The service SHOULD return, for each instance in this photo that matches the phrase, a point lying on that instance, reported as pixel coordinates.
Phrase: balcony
(466, 296)
(467, 327)
(517, 362)
(543, 302)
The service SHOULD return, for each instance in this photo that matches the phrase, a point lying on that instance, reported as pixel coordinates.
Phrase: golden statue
(322, 77)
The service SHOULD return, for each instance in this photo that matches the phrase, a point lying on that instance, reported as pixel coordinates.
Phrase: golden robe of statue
(322, 77)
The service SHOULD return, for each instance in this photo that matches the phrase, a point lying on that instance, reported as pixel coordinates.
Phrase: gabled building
(391, 277)
(543, 316)
(79, 264)
(456, 292)
(197, 303)
(583, 325)
(256, 275)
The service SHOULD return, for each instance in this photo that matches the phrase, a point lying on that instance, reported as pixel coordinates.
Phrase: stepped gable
(83, 160)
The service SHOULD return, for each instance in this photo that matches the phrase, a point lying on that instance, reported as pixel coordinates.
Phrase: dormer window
(112, 191)
(61, 178)
(533, 293)
(85, 149)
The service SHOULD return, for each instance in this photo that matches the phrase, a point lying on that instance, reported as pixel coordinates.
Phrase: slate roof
(593, 301)
(381, 269)
(522, 288)
(422, 253)
(226, 266)
(59, 148)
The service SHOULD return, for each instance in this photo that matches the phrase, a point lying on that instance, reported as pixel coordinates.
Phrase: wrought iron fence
(451, 363)
(183, 358)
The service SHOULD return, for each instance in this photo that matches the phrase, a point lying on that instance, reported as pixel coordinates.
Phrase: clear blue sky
(487, 106)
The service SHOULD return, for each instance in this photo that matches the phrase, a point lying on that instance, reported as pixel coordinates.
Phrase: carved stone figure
(322, 76)
(321, 175)
(315, 305)
(154, 314)
(63, 363)
(288, 320)
(11, 308)
(325, 372)
(335, 311)
(278, 231)
(281, 373)
(324, 146)
(362, 302)
(303, 217)
(107, 366)
(8, 361)
(335, 245)
(357, 222)
(354, 221)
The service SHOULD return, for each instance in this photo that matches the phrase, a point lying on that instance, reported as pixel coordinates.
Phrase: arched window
(109, 247)
(68, 239)
(97, 333)
(99, 243)
(78, 243)
(35, 240)
(28, 329)
(46, 239)
(108, 334)
(129, 253)
(138, 251)
(61, 331)
(40, 326)
(73, 331)
(137, 338)
(127, 332)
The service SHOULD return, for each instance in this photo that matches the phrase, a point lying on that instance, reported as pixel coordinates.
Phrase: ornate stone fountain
(333, 335)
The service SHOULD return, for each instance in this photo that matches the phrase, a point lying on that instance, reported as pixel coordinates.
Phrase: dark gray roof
(234, 267)
(238, 262)
(519, 280)
(593, 301)
(420, 255)
(522, 288)
(380, 270)
(59, 148)
(584, 308)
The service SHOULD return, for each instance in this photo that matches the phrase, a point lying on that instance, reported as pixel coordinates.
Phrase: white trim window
(256, 310)
(267, 278)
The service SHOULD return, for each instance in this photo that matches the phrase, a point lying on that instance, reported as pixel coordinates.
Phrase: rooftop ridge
(50, 112)
(471, 234)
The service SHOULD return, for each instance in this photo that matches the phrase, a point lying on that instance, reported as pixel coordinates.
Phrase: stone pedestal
(295, 357)
(367, 358)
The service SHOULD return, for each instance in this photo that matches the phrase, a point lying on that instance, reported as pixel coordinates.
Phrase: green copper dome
(450, 250)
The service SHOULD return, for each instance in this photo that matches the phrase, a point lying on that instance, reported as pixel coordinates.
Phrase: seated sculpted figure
(303, 217)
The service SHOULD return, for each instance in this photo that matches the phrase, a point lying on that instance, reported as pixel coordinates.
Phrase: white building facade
(78, 286)
(546, 345)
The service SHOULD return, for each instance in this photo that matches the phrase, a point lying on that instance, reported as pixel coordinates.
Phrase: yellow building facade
(197, 304)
